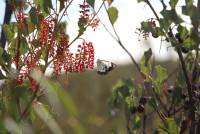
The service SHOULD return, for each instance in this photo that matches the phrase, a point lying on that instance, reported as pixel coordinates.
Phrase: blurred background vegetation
(91, 93)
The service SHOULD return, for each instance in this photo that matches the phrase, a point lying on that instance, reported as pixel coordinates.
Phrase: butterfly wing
(103, 66)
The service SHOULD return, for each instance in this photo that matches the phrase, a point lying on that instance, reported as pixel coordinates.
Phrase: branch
(176, 44)
(123, 47)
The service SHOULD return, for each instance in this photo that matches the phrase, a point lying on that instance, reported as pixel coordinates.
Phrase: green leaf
(23, 46)
(171, 16)
(153, 103)
(189, 43)
(165, 23)
(1, 51)
(182, 31)
(173, 3)
(62, 27)
(176, 95)
(13, 26)
(146, 27)
(45, 5)
(33, 16)
(147, 55)
(2, 62)
(161, 75)
(31, 27)
(170, 128)
(6, 57)
(112, 14)
(130, 101)
(91, 3)
(12, 47)
(8, 32)
(15, 46)
(137, 122)
(188, 8)
(123, 93)
(144, 62)
(124, 87)
(82, 22)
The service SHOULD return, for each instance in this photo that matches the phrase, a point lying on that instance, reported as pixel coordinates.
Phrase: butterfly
(103, 66)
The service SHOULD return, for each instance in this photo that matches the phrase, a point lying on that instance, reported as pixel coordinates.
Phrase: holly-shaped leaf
(82, 22)
(45, 5)
(147, 56)
(23, 46)
(8, 32)
(171, 16)
(144, 62)
(173, 3)
(113, 14)
(91, 3)
(137, 122)
(170, 128)
(161, 75)
(33, 16)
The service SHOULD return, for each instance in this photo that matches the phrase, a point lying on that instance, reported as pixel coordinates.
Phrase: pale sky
(130, 15)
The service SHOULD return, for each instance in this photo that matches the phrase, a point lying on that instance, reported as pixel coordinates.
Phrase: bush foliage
(38, 40)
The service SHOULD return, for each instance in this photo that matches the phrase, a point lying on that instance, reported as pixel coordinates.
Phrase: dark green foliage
(112, 14)
(169, 94)
(91, 3)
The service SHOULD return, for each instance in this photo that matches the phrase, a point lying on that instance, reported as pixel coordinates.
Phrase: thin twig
(123, 47)
(65, 11)
(44, 69)
(187, 80)
(144, 123)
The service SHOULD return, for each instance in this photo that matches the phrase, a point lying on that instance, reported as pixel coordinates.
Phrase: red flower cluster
(20, 17)
(78, 62)
(31, 62)
(46, 30)
(93, 21)
(85, 9)
(91, 18)
(151, 22)
(57, 46)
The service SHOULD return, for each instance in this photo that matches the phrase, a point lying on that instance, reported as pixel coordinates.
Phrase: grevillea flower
(46, 30)
(93, 21)
(78, 62)
(57, 47)
(151, 22)
(20, 17)
(87, 17)
(85, 9)
(31, 62)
